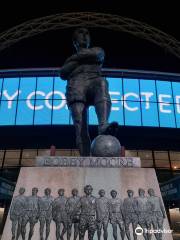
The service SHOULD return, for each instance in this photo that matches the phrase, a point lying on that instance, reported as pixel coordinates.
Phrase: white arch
(89, 19)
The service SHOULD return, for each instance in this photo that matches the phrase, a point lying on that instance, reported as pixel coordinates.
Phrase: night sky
(123, 50)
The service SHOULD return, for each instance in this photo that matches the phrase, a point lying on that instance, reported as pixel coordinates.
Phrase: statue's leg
(114, 227)
(76, 230)
(105, 228)
(99, 228)
(103, 109)
(13, 229)
(127, 223)
(79, 116)
(41, 229)
(69, 229)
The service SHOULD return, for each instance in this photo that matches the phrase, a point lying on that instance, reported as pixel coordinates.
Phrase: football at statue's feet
(105, 146)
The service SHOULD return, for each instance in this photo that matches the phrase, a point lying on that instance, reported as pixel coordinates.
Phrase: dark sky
(123, 50)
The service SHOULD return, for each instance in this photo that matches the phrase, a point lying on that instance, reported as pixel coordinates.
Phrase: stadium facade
(34, 119)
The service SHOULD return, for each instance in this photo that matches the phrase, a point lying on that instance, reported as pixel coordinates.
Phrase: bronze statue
(143, 211)
(73, 215)
(59, 214)
(102, 214)
(85, 87)
(130, 216)
(45, 213)
(87, 207)
(17, 213)
(157, 212)
(116, 214)
(32, 213)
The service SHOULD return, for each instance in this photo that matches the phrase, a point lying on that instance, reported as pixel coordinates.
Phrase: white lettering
(29, 97)
(147, 96)
(163, 103)
(178, 103)
(10, 98)
(114, 100)
(132, 109)
(62, 99)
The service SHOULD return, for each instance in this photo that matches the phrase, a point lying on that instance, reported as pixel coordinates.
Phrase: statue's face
(61, 192)
(81, 38)
(101, 193)
(47, 191)
(34, 191)
(151, 192)
(141, 192)
(21, 191)
(113, 194)
(88, 190)
(74, 192)
(130, 193)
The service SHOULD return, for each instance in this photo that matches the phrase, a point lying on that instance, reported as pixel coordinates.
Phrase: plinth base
(100, 178)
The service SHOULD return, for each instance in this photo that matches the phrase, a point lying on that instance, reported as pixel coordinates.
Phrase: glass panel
(177, 113)
(145, 154)
(148, 91)
(43, 113)
(60, 112)
(12, 154)
(146, 163)
(174, 155)
(130, 153)
(115, 115)
(115, 88)
(75, 152)
(117, 112)
(131, 89)
(43, 152)
(175, 165)
(1, 154)
(27, 88)
(11, 162)
(1, 81)
(164, 91)
(161, 155)
(64, 152)
(44, 88)
(28, 162)
(166, 115)
(176, 92)
(59, 88)
(7, 112)
(10, 89)
(132, 113)
(25, 113)
(162, 164)
(29, 153)
(149, 114)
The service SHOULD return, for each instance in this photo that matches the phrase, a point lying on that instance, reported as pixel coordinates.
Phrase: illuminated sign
(135, 102)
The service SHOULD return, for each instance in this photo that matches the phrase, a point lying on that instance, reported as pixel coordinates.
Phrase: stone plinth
(105, 162)
(120, 179)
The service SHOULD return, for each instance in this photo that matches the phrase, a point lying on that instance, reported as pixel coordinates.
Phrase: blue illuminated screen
(135, 102)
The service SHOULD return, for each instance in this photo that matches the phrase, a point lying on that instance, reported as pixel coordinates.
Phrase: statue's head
(130, 193)
(74, 192)
(151, 192)
(88, 189)
(113, 193)
(81, 38)
(47, 191)
(141, 192)
(34, 191)
(21, 191)
(61, 192)
(101, 192)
